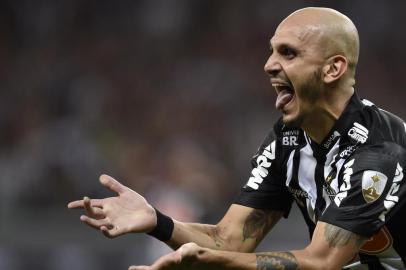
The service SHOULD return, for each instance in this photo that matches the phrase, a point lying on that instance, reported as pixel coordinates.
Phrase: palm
(114, 216)
(130, 212)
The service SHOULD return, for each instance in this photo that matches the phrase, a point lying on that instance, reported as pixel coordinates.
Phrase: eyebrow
(284, 44)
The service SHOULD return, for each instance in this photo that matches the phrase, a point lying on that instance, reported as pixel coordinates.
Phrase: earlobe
(336, 67)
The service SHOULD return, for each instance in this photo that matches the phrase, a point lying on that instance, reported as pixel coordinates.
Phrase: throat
(319, 126)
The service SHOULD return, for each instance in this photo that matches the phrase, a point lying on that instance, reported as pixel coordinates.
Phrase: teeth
(280, 87)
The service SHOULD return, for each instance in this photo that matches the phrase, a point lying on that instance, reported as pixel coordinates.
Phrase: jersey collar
(350, 117)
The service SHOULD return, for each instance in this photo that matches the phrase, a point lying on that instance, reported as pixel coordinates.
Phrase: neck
(320, 125)
(322, 119)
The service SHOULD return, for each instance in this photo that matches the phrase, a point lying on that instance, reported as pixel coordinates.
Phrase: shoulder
(384, 125)
(382, 156)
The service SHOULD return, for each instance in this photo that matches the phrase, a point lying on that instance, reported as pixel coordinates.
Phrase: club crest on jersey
(358, 133)
(373, 184)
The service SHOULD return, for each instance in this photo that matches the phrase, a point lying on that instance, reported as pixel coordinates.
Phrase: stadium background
(167, 96)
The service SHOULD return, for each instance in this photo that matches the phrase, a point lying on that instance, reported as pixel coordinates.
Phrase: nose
(272, 67)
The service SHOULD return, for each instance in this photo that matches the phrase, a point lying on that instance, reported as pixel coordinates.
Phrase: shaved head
(332, 30)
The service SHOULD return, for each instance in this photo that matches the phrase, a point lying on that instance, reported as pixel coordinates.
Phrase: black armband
(164, 227)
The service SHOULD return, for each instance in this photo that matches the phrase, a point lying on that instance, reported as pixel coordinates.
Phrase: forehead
(296, 35)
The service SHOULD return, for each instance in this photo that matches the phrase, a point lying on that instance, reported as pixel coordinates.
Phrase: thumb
(189, 249)
(112, 184)
(113, 232)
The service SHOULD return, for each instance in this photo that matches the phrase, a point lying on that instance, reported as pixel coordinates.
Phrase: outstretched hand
(184, 258)
(114, 216)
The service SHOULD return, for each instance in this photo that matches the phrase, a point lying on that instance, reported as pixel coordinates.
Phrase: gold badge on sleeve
(373, 184)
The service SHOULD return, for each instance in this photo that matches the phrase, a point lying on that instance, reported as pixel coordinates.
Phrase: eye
(288, 52)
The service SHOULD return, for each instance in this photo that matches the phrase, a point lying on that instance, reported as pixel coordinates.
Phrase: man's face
(295, 70)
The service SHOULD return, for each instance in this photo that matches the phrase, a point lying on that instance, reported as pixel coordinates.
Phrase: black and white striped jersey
(353, 179)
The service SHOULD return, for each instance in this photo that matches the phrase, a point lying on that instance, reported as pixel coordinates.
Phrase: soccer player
(340, 158)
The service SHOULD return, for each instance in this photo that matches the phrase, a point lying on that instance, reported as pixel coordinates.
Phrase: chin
(292, 121)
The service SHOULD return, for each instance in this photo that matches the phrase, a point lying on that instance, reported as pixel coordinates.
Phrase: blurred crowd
(169, 97)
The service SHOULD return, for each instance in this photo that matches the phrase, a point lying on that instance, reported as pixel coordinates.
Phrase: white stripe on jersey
(307, 167)
(289, 168)
(310, 209)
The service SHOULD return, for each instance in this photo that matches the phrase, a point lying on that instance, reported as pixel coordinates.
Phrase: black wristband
(164, 227)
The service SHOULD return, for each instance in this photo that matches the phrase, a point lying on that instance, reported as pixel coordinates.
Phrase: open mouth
(285, 94)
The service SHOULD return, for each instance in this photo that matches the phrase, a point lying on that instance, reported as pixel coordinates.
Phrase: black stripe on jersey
(320, 182)
(294, 183)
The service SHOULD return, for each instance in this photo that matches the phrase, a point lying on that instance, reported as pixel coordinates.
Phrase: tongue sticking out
(284, 97)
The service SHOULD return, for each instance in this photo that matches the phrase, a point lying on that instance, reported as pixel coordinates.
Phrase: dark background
(169, 97)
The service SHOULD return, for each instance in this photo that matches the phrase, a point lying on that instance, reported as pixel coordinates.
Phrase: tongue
(283, 98)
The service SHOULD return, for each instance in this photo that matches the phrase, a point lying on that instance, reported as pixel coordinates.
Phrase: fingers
(188, 249)
(75, 204)
(169, 261)
(112, 184)
(81, 204)
(91, 210)
(111, 232)
(140, 267)
(106, 232)
(96, 223)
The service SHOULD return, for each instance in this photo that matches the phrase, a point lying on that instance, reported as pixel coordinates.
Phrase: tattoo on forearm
(276, 261)
(258, 223)
(214, 233)
(338, 237)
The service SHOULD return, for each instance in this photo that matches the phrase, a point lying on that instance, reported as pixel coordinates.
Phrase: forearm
(330, 249)
(203, 235)
(224, 260)
(241, 229)
(209, 236)
(287, 260)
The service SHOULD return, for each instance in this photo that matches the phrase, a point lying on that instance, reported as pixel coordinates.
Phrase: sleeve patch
(373, 185)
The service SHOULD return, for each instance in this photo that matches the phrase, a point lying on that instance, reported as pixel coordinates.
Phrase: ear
(335, 67)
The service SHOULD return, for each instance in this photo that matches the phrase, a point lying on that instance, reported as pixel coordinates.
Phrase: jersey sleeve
(371, 190)
(266, 187)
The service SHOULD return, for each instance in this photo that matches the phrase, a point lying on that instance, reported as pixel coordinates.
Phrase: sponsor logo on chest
(348, 151)
(298, 193)
(290, 138)
(332, 138)
(358, 133)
